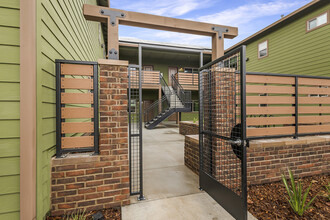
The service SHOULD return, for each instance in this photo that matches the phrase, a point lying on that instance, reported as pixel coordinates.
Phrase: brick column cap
(113, 62)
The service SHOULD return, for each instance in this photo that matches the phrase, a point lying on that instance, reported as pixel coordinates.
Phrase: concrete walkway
(170, 188)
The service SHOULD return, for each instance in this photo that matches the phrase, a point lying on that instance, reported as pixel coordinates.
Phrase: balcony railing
(189, 81)
(149, 79)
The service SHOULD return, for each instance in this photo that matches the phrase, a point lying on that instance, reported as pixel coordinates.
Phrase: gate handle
(236, 142)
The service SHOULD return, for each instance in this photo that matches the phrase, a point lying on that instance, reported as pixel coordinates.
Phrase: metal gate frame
(135, 131)
(234, 203)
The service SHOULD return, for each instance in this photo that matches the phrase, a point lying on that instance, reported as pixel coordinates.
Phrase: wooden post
(113, 37)
(217, 46)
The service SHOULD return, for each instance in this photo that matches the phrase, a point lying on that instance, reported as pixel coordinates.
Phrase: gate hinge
(113, 15)
(220, 31)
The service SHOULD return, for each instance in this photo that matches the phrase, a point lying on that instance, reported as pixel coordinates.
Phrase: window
(263, 49)
(148, 68)
(231, 62)
(318, 21)
(190, 70)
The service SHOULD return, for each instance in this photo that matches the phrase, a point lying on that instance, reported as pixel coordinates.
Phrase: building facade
(296, 44)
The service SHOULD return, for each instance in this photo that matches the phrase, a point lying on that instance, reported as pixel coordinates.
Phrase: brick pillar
(83, 181)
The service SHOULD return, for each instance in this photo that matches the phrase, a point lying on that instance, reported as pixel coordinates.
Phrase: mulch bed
(109, 214)
(268, 201)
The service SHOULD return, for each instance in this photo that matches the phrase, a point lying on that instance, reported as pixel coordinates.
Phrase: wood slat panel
(77, 112)
(77, 142)
(270, 120)
(314, 119)
(314, 100)
(254, 132)
(77, 127)
(314, 82)
(314, 90)
(77, 98)
(270, 79)
(314, 128)
(313, 109)
(270, 100)
(270, 89)
(69, 83)
(76, 69)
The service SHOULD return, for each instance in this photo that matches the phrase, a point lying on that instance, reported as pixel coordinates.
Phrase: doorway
(171, 72)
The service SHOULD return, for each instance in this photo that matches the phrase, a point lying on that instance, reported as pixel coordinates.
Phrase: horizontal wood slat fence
(286, 105)
(77, 120)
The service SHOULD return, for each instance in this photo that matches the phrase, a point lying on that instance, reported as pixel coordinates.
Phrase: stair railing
(165, 88)
(183, 95)
(161, 105)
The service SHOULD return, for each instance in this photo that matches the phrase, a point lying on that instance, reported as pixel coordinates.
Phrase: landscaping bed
(268, 201)
(109, 214)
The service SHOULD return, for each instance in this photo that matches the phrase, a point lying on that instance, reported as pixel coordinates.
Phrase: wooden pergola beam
(137, 19)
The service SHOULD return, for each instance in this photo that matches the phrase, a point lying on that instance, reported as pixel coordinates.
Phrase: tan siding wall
(63, 34)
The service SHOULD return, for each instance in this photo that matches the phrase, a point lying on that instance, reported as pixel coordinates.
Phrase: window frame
(322, 25)
(267, 49)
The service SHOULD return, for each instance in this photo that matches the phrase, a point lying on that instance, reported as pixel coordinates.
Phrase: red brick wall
(191, 152)
(102, 181)
(305, 157)
(188, 127)
(267, 159)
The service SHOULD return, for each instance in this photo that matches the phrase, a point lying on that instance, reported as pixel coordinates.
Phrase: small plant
(327, 191)
(79, 215)
(195, 120)
(297, 198)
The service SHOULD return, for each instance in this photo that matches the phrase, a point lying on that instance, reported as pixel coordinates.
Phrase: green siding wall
(9, 110)
(63, 33)
(293, 51)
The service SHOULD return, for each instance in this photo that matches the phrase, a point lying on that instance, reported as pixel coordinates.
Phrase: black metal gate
(135, 112)
(222, 120)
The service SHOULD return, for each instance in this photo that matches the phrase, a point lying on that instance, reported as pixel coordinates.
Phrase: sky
(249, 16)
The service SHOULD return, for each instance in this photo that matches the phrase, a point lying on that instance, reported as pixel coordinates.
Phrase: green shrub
(79, 215)
(328, 191)
(297, 198)
(195, 119)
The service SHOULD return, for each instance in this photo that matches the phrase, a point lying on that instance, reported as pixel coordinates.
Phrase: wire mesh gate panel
(135, 130)
(77, 120)
(222, 132)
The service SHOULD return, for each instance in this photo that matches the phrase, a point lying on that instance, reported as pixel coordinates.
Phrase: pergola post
(217, 46)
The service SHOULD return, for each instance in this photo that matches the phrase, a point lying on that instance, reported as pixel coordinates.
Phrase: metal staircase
(174, 99)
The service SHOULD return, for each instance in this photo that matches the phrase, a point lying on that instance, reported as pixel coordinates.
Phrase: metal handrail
(166, 102)
(184, 96)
